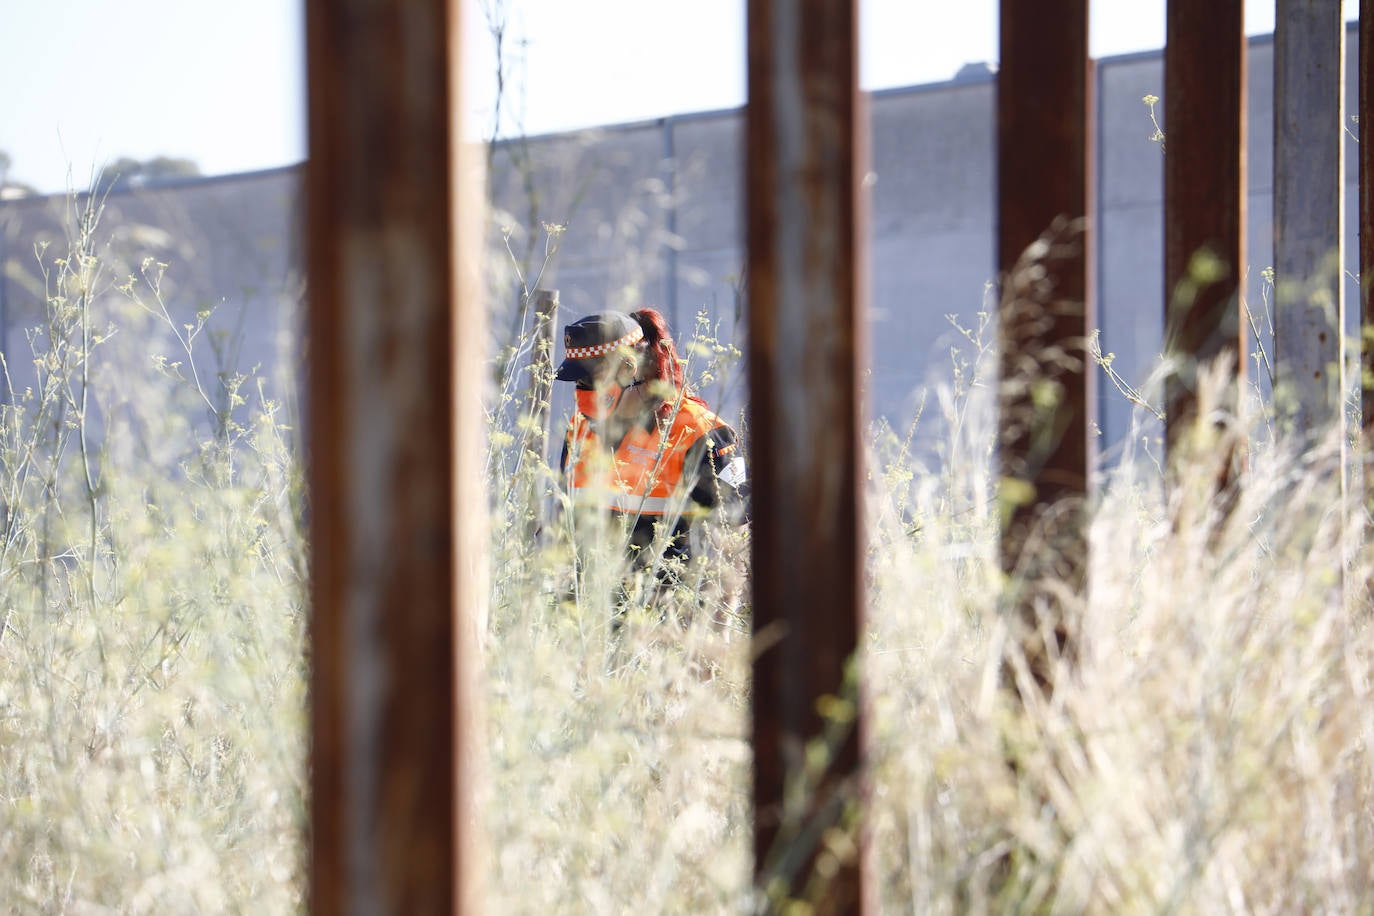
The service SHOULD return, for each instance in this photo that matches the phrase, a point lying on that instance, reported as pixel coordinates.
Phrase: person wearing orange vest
(641, 446)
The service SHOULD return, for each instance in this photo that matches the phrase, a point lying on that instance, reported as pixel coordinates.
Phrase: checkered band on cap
(633, 337)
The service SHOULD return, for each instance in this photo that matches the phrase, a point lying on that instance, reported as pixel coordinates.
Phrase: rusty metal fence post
(806, 262)
(1308, 234)
(1366, 217)
(1204, 199)
(395, 534)
(1044, 208)
(1309, 214)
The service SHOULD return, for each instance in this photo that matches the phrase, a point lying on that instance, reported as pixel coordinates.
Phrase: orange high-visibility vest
(644, 476)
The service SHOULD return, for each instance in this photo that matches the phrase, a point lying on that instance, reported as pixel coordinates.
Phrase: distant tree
(169, 167)
(9, 188)
(127, 172)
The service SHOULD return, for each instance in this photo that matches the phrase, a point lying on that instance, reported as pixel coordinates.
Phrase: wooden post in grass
(534, 416)
(396, 541)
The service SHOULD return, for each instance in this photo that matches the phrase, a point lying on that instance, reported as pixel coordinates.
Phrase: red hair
(664, 363)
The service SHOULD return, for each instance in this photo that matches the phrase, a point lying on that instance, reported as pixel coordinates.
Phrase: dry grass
(1209, 752)
(152, 580)
(1205, 753)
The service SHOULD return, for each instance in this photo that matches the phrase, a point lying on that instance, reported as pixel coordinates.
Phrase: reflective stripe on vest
(645, 474)
(628, 503)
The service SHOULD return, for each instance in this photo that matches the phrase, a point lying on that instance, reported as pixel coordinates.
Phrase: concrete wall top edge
(1103, 63)
(188, 181)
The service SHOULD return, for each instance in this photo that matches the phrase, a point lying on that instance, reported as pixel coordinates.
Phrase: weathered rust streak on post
(1309, 213)
(384, 473)
(1366, 148)
(806, 259)
(1204, 196)
(1044, 135)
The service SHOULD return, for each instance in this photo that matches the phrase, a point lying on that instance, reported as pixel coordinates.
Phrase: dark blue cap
(592, 338)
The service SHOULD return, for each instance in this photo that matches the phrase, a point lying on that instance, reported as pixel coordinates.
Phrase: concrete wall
(229, 247)
(651, 214)
(1131, 216)
(931, 243)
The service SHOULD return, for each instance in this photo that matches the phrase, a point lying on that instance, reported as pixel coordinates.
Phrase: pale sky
(84, 82)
